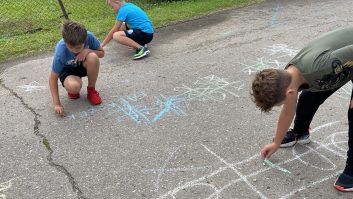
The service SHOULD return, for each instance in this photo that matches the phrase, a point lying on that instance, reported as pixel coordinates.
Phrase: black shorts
(78, 70)
(138, 36)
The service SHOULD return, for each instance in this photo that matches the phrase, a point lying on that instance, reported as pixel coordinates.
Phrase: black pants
(308, 103)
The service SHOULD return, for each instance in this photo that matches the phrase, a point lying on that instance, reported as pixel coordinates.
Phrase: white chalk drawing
(303, 154)
(281, 50)
(260, 64)
(344, 92)
(210, 88)
(33, 86)
(4, 187)
(275, 52)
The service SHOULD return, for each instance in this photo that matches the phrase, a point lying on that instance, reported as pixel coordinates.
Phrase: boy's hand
(80, 57)
(59, 109)
(268, 150)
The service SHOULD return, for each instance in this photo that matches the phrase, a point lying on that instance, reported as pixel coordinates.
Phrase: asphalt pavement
(179, 123)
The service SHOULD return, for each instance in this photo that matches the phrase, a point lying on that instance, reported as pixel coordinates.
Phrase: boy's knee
(73, 87)
(91, 58)
(117, 35)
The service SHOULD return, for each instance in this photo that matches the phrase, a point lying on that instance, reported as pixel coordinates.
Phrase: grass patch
(46, 143)
(36, 28)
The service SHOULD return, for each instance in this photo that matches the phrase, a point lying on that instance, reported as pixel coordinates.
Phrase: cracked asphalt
(180, 123)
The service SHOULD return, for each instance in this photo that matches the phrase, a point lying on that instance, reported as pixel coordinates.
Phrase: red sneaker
(93, 96)
(73, 96)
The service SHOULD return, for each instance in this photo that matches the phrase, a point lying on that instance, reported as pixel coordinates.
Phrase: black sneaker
(291, 139)
(344, 183)
(141, 52)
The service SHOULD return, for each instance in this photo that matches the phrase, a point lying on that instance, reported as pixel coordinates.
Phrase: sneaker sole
(74, 98)
(143, 55)
(340, 188)
(302, 141)
(289, 144)
(94, 104)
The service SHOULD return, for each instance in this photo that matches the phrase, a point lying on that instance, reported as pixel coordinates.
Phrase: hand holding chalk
(268, 150)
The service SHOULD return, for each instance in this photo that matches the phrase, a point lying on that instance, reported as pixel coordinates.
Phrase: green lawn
(31, 27)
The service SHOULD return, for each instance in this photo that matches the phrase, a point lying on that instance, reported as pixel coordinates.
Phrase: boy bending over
(76, 55)
(132, 28)
(318, 70)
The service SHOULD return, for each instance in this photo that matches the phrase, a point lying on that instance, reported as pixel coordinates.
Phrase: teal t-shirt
(327, 62)
(135, 17)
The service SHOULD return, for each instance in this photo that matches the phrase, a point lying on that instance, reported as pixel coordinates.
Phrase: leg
(349, 164)
(121, 37)
(135, 38)
(345, 181)
(92, 66)
(308, 103)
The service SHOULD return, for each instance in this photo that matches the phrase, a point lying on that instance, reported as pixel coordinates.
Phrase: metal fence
(28, 16)
(28, 21)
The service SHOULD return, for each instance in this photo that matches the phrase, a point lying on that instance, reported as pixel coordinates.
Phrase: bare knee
(117, 36)
(92, 59)
(73, 84)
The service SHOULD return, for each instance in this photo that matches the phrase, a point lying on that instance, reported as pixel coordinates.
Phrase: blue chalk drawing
(274, 20)
(169, 104)
(136, 96)
(275, 166)
(131, 107)
(135, 112)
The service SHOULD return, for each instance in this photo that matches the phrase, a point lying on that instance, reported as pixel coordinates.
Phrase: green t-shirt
(327, 62)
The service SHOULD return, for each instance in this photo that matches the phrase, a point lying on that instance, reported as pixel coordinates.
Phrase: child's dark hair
(74, 33)
(269, 88)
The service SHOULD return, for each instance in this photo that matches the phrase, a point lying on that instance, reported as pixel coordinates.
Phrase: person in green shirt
(317, 71)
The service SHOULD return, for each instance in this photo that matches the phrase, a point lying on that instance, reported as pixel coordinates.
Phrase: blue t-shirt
(135, 17)
(65, 58)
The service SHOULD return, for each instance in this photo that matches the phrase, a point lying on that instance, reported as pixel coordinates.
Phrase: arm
(285, 119)
(83, 54)
(53, 85)
(99, 52)
(109, 37)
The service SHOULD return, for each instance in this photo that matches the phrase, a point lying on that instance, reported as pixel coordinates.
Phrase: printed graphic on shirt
(72, 63)
(339, 74)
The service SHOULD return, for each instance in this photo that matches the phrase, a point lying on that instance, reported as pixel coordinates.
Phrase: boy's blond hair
(269, 88)
(115, 1)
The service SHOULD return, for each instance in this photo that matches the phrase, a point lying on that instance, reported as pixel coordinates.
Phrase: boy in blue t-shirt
(76, 55)
(132, 27)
